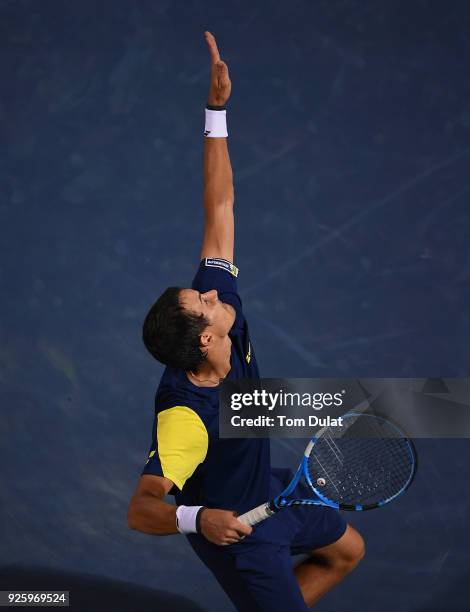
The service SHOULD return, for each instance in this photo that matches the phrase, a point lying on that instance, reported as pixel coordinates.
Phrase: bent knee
(350, 552)
(359, 549)
(354, 552)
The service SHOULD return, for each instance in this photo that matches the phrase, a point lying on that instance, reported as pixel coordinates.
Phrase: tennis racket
(365, 463)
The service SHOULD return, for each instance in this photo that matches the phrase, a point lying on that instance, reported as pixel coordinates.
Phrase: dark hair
(171, 334)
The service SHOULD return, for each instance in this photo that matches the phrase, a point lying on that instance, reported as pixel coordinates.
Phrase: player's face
(221, 316)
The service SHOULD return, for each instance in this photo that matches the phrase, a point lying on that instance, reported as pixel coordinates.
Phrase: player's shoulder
(215, 273)
(220, 263)
(222, 275)
(181, 422)
(176, 391)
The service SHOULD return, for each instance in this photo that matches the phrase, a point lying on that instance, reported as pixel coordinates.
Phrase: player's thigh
(268, 572)
(221, 562)
(257, 576)
(320, 526)
(347, 551)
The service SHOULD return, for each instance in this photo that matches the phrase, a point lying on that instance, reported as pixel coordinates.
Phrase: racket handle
(252, 517)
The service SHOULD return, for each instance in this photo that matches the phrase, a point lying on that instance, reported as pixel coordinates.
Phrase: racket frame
(279, 502)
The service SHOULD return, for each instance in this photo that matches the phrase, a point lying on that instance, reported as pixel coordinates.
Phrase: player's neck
(211, 372)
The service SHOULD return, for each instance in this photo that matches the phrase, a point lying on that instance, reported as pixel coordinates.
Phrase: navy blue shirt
(232, 474)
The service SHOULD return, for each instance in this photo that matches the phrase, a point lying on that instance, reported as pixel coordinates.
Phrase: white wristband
(216, 124)
(186, 518)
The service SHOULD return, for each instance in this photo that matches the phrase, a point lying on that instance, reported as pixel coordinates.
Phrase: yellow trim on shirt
(182, 443)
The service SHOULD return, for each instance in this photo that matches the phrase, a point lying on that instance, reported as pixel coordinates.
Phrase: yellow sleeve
(182, 443)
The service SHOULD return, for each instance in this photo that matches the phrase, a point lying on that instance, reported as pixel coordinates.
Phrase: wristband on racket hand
(188, 519)
(216, 122)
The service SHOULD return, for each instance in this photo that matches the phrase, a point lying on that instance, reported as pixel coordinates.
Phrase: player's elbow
(131, 517)
(134, 514)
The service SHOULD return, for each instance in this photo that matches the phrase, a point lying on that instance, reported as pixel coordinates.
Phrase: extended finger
(214, 51)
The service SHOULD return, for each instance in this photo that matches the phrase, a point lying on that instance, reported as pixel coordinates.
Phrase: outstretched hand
(220, 85)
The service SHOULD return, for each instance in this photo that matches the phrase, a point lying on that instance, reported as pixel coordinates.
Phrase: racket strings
(363, 462)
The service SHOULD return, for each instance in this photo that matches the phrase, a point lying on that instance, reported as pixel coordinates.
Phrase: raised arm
(219, 196)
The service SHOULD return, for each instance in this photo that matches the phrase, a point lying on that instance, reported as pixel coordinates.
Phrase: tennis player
(201, 335)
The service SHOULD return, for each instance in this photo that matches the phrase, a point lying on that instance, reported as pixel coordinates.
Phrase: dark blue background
(349, 135)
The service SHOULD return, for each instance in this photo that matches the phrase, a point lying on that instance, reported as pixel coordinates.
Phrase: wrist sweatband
(186, 518)
(216, 122)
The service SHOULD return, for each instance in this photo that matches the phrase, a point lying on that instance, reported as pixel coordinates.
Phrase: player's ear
(206, 339)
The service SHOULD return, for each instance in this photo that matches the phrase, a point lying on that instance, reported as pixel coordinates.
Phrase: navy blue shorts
(257, 573)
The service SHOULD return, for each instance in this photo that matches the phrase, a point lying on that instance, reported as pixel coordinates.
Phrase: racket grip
(252, 517)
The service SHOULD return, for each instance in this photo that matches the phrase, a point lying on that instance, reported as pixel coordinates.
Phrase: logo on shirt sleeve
(214, 262)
